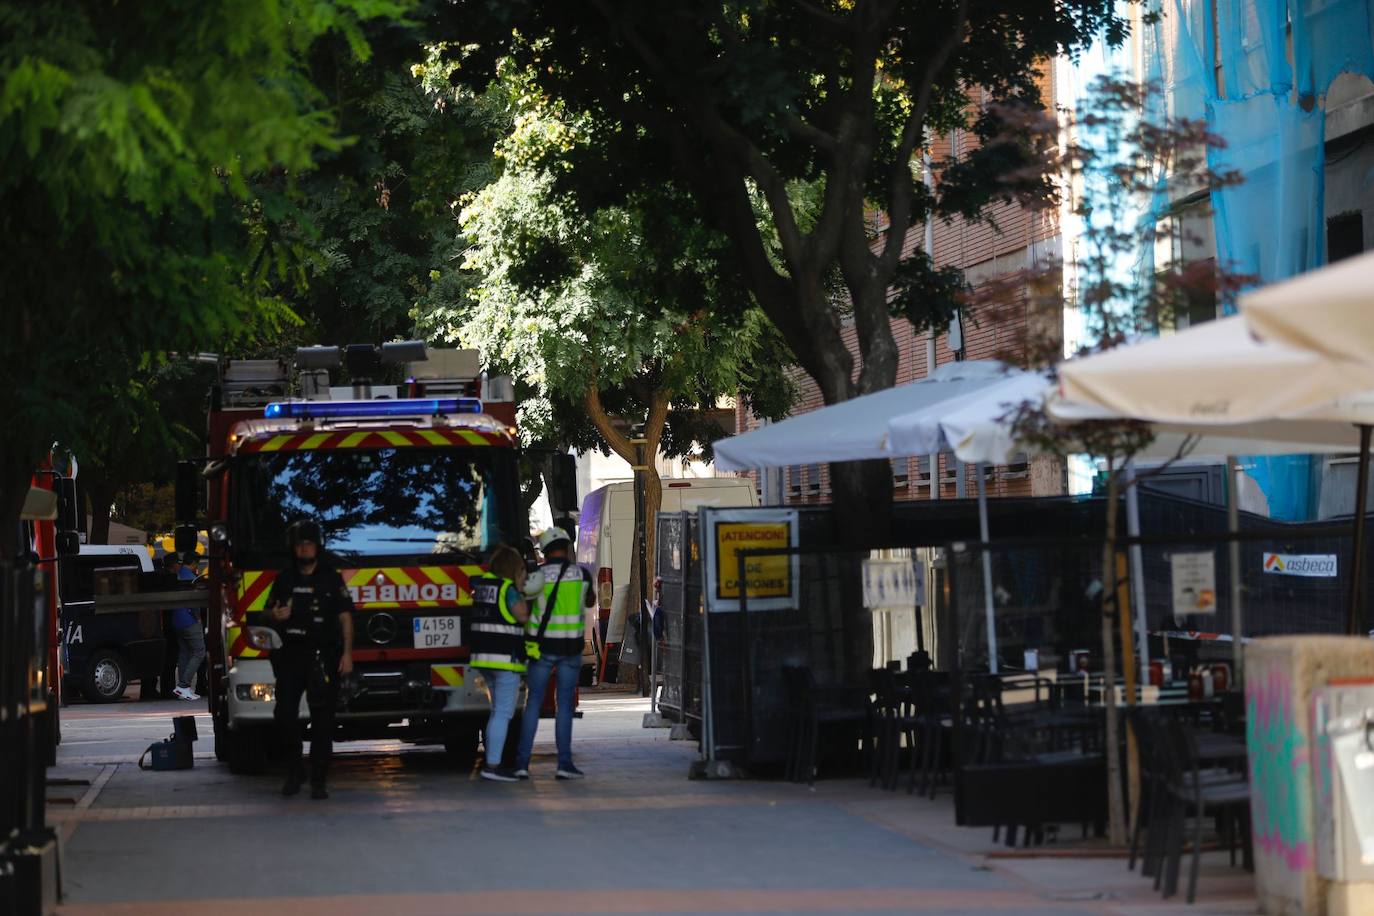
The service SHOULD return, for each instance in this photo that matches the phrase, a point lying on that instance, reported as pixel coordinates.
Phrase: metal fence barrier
(1047, 596)
(679, 653)
(28, 848)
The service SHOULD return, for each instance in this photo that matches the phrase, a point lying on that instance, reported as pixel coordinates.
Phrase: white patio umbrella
(860, 429)
(1328, 310)
(1216, 379)
(852, 430)
(1214, 373)
(979, 429)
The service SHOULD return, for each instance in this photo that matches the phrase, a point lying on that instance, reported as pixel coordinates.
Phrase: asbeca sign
(769, 581)
(1309, 565)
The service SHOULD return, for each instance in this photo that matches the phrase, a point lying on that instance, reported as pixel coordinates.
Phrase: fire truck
(30, 688)
(413, 483)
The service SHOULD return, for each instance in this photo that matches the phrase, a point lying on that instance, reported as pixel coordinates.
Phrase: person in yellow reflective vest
(496, 639)
(555, 635)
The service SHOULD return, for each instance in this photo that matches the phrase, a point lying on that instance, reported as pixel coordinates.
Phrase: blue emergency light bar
(406, 407)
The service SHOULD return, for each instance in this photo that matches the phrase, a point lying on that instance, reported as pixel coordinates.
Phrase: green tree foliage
(137, 424)
(611, 317)
(725, 101)
(379, 214)
(129, 134)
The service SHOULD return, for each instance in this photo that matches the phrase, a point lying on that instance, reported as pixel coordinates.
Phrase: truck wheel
(221, 739)
(107, 675)
(460, 743)
(247, 749)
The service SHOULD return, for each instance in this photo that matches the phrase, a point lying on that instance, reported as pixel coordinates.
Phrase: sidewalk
(404, 833)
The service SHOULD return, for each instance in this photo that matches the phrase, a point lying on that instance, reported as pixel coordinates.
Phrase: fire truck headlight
(256, 693)
(219, 534)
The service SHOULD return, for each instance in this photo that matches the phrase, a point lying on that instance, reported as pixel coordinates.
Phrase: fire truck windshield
(392, 503)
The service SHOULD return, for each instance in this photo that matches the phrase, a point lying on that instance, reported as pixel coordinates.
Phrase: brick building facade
(990, 253)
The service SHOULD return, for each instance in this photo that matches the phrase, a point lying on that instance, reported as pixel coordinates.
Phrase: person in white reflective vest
(553, 641)
(496, 640)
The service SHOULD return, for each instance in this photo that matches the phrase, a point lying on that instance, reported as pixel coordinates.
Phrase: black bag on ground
(175, 752)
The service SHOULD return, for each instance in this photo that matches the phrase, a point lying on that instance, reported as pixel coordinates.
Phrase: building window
(813, 478)
(922, 474)
(1017, 467)
(951, 468)
(794, 480)
(899, 473)
(1344, 236)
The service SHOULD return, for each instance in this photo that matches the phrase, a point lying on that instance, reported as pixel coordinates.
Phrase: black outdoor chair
(1202, 792)
(896, 725)
(809, 714)
(933, 725)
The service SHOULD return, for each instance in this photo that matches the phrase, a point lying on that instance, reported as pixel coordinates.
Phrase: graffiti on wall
(1280, 769)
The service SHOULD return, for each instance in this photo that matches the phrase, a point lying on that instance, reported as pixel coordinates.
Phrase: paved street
(403, 833)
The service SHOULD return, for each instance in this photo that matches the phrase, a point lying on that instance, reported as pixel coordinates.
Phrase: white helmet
(553, 536)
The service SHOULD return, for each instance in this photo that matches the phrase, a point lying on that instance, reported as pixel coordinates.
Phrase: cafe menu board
(1194, 577)
(891, 585)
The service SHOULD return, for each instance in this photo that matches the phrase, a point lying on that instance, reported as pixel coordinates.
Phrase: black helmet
(305, 529)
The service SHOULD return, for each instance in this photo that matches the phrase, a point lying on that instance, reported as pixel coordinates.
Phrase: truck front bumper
(384, 693)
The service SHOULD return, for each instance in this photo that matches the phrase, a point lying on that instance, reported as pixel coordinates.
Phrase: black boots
(294, 778)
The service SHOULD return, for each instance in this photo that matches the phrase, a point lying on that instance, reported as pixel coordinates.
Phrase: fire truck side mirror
(186, 482)
(185, 538)
(69, 506)
(68, 543)
(563, 484)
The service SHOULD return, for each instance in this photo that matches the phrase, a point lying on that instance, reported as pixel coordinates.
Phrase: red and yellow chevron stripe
(254, 587)
(372, 589)
(446, 675)
(376, 588)
(386, 438)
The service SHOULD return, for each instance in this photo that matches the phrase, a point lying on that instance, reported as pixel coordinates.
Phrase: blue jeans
(503, 687)
(569, 668)
(192, 655)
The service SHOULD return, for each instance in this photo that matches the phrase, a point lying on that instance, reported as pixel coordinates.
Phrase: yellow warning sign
(766, 576)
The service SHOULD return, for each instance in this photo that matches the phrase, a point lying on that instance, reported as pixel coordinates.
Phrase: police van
(103, 652)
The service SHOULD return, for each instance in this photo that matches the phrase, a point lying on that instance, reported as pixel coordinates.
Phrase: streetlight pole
(641, 529)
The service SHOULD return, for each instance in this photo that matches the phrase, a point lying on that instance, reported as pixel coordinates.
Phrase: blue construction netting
(1229, 62)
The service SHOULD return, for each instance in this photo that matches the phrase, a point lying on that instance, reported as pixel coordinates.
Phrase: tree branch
(902, 187)
(596, 412)
(658, 419)
(832, 20)
(721, 132)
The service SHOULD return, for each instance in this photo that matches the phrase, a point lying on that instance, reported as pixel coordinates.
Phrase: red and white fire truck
(413, 485)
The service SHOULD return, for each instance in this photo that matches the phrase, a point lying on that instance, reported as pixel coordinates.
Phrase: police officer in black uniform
(312, 610)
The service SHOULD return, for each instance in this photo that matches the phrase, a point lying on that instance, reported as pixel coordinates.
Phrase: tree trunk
(861, 494)
(653, 485)
(1116, 803)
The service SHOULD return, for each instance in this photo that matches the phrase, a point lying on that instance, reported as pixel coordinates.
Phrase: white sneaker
(185, 693)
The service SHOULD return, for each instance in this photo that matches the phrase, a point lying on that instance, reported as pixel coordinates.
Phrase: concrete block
(1281, 674)
(1350, 900)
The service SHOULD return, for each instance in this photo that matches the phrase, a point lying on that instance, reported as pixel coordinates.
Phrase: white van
(606, 532)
